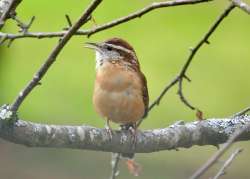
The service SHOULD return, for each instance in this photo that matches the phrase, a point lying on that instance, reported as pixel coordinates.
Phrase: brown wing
(144, 92)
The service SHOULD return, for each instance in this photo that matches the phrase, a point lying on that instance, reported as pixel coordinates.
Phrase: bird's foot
(109, 129)
(133, 130)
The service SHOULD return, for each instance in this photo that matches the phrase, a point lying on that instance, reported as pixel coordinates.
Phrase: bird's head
(114, 49)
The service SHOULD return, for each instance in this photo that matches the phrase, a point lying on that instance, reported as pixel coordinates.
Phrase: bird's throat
(99, 60)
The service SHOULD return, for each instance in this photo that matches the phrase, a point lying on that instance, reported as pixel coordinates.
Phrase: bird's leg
(108, 128)
(133, 167)
(132, 128)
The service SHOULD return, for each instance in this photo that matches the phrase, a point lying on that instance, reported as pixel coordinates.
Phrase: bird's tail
(133, 167)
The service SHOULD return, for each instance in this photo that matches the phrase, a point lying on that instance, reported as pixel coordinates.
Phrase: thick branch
(7, 8)
(52, 57)
(221, 151)
(244, 6)
(207, 132)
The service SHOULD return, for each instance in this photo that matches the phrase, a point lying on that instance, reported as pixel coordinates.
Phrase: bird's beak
(92, 45)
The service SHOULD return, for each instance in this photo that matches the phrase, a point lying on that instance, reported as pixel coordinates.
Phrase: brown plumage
(120, 93)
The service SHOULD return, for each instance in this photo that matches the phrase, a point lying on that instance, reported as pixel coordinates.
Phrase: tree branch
(52, 57)
(182, 74)
(7, 8)
(243, 112)
(140, 13)
(105, 26)
(227, 163)
(115, 158)
(206, 132)
(243, 6)
(235, 135)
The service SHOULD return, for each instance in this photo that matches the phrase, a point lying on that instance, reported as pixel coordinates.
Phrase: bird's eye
(109, 48)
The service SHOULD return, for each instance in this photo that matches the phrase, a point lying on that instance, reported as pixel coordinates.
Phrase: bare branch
(243, 112)
(182, 74)
(206, 132)
(7, 8)
(114, 164)
(52, 57)
(165, 90)
(105, 26)
(68, 20)
(24, 27)
(40, 35)
(140, 13)
(3, 39)
(228, 162)
(181, 95)
(220, 152)
(242, 5)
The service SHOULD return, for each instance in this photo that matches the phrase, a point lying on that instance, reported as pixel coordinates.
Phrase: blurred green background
(220, 83)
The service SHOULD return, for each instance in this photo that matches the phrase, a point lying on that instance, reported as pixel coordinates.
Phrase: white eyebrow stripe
(122, 48)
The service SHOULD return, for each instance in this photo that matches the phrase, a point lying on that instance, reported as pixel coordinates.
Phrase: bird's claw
(133, 132)
(132, 128)
(109, 131)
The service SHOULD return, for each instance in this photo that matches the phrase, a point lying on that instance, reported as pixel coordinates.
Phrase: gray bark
(185, 135)
(7, 7)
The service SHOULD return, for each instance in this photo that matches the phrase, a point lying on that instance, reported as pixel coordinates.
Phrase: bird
(120, 92)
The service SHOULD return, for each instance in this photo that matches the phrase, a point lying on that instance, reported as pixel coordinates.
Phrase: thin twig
(68, 20)
(158, 100)
(115, 158)
(182, 73)
(242, 5)
(52, 57)
(23, 27)
(243, 112)
(219, 153)
(108, 25)
(228, 162)
(143, 11)
(181, 95)
(3, 39)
